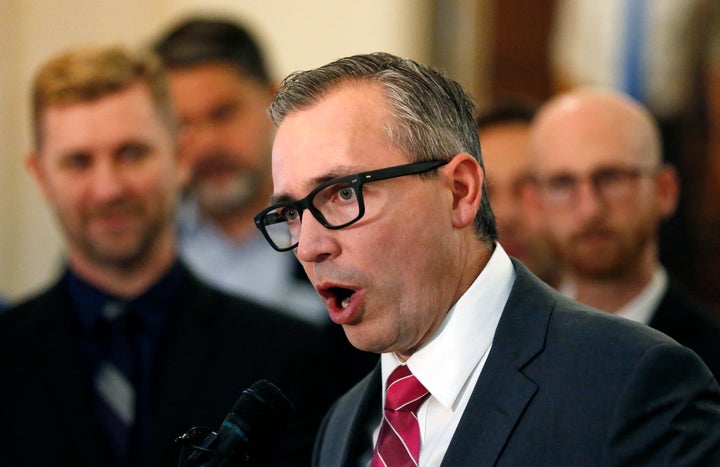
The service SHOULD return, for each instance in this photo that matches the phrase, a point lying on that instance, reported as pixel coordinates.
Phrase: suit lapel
(180, 366)
(349, 441)
(503, 391)
(66, 384)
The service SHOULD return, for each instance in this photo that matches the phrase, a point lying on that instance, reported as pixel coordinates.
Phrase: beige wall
(296, 34)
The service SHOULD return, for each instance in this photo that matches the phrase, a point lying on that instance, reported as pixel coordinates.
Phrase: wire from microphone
(259, 410)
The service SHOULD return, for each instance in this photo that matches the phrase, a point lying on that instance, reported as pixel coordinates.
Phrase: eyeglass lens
(609, 183)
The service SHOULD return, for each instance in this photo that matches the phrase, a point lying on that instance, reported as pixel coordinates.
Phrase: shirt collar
(643, 306)
(151, 306)
(445, 363)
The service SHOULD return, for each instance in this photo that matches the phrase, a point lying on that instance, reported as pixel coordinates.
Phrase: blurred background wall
(498, 49)
(295, 35)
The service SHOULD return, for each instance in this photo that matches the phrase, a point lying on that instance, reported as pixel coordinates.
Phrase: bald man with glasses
(605, 191)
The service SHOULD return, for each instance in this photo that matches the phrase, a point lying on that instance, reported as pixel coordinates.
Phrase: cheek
(160, 181)
(560, 224)
(64, 193)
(623, 216)
(382, 250)
(636, 218)
(532, 221)
(405, 250)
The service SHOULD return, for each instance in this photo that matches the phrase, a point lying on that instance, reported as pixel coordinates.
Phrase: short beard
(232, 197)
(127, 259)
(614, 263)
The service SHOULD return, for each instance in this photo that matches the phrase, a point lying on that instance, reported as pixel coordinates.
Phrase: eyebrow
(338, 172)
(281, 198)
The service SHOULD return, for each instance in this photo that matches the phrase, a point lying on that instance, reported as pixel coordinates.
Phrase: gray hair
(432, 116)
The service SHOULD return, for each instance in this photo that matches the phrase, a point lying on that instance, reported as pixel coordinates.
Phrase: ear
(667, 186)
(465, 177)
(33, 164)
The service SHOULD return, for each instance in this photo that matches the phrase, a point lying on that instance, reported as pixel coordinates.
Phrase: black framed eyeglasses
(336, 203)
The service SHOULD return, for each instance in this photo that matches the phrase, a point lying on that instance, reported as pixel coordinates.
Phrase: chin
(361, 341)
(605, 271)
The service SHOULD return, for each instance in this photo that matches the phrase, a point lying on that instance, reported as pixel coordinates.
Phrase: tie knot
(117, 319)
(404, 392)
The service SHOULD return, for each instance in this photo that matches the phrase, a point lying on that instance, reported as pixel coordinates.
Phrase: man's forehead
(120, 116)
(586, 152)
(342, 121)
(344, 103)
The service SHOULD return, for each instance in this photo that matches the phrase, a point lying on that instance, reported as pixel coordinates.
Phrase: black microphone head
(262, 407)
(259, 410)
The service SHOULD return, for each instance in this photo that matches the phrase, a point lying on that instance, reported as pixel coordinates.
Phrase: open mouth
(341, 296)
(344, 303)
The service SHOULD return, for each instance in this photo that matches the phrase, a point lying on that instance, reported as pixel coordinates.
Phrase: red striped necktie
(398, 443)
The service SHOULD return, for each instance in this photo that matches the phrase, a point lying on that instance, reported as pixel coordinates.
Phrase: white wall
(305, 34)
(296, 35)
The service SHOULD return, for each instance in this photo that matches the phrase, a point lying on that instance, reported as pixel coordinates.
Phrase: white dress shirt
(643, 306)
(450, 363)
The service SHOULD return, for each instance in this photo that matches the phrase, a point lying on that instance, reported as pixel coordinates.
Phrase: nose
(106, 183)
(589, 202)
(315, 242)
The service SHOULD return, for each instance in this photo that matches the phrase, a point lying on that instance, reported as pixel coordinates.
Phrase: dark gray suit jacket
(563, 385)
(215, 346)
(691, 323)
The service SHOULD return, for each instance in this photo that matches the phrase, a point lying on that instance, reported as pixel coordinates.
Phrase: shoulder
(616, 381)
(33, 309)
(361, 392)
(680, 309)
(564, 333)
(690, 322)
(608, 343)
(342, 433)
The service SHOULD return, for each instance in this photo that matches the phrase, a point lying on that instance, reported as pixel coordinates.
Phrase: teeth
(345, 302)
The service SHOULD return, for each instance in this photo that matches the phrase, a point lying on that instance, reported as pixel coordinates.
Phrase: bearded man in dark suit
(79, 392)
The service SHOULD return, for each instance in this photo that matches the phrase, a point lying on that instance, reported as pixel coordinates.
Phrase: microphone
(259, 410)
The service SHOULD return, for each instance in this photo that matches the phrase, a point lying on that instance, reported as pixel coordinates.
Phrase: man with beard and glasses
(604, 192)
(128, 350)
(221, 88)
